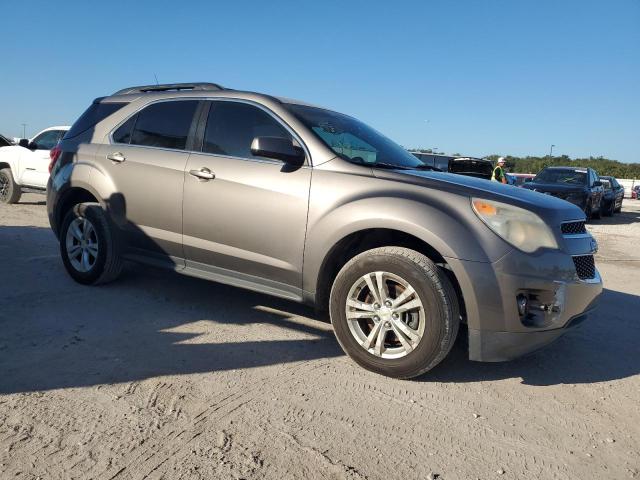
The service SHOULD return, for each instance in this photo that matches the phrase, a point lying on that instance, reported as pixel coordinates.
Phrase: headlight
(521, 228)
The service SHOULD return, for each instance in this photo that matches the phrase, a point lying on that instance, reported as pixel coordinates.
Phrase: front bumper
(490, 346)
(497, 331)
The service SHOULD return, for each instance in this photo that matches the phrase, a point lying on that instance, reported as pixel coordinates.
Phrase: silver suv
(304, 203)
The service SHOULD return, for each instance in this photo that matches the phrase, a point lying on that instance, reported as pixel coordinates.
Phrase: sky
(486, 77)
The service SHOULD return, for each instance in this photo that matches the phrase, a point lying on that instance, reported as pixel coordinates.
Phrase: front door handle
(116, 157)
(203, 174)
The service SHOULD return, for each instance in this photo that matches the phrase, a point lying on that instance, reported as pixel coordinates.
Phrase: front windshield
(569, 177)
(353, 140)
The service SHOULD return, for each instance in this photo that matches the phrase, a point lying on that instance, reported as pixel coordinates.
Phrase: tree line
(604, 166)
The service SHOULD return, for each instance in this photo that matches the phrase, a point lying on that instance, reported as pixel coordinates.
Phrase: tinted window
(232, 126)
(123, 133)
(47, 140)
(92, 115)
(164, 124)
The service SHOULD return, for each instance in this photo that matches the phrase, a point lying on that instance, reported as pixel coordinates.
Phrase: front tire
(89, 248)
(10, 191)
(394, 312)
(610, 209)
(597, 214)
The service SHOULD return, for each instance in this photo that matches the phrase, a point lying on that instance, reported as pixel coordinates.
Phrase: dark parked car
(580, 186)
(469, 166)
(613, 195)
(635, 192)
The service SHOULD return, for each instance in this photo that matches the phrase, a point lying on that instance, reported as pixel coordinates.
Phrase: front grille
(573, 228)
(585, 266)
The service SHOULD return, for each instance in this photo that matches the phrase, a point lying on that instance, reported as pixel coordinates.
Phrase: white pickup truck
(26, 165)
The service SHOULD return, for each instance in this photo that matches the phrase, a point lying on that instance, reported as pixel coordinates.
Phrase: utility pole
(24, 130)
(551, 152)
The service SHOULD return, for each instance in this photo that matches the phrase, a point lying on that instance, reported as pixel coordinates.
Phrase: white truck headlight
(521, 228)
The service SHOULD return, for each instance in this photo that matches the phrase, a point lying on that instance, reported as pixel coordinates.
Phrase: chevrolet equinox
(301, 202)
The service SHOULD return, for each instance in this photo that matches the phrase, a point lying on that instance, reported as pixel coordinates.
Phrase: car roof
(191, 90)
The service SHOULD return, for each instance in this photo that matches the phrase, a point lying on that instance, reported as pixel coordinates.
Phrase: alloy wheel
(385, 315)
(82, 244)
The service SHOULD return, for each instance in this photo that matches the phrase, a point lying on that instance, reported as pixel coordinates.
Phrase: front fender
(449, 227)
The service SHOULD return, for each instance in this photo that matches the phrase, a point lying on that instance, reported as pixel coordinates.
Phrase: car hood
(554, 187)
(552, 210)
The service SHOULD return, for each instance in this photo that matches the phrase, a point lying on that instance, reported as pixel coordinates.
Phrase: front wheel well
(4, 165)
(364, 240)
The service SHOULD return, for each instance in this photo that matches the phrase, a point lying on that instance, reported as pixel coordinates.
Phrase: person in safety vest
(498, 172)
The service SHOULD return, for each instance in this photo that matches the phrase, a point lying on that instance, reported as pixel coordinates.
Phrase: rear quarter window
(94, 114)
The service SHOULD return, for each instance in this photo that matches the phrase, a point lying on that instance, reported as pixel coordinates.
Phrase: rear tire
(10, 191)
(431, 324)
(89, 247)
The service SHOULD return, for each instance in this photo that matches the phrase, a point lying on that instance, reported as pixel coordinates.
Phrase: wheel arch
(362, 240)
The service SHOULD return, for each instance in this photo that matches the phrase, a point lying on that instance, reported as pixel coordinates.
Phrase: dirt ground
(163, 376)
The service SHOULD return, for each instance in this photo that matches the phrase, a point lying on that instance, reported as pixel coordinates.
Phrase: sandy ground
(164, 376)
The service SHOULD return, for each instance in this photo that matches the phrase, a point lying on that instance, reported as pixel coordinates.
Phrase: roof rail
(168, 87)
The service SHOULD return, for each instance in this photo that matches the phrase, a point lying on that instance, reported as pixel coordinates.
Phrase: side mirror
(24, 142)
(278, 148)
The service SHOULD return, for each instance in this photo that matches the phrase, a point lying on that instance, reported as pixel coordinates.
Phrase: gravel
(163, 376)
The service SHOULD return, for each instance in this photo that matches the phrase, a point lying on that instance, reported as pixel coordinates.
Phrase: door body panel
(250, 219)
(150, 213)
(35, 167)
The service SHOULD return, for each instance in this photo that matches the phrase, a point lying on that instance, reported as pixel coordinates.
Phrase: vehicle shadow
(626, 217)
(601, 349)
(55, 333)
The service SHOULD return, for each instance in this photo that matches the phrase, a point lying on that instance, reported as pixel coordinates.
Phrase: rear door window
(123, 132)
(232, 126)
(163, 125)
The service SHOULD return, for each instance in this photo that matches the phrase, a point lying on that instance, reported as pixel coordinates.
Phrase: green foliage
(603, 166)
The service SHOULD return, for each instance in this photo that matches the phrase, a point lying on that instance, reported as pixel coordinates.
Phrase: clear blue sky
(475, 77)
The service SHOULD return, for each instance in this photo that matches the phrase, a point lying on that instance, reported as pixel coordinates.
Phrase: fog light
(522, 302)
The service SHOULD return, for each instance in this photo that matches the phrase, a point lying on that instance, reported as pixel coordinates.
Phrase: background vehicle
(580, 186)
(5, 141)
(522, 178)
(635, 192)
(308, 204)
(511, 179)
(469, 166)
(613, 195)
(27, 164)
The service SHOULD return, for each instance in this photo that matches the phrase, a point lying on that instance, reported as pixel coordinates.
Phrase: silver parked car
(305, 203)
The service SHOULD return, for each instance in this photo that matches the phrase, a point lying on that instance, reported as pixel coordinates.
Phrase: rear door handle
(203, 174)
(116, 157)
